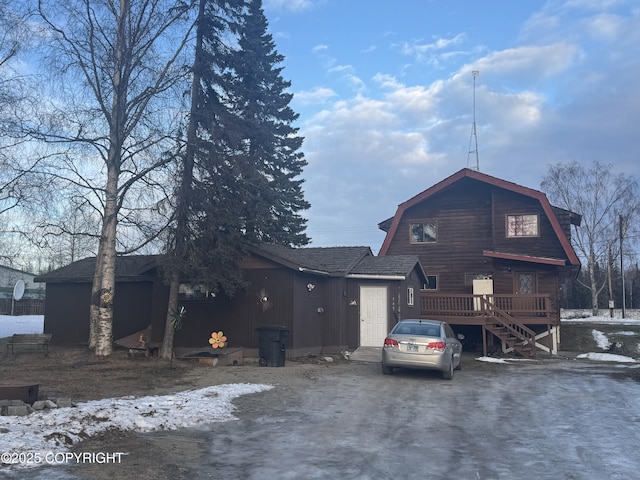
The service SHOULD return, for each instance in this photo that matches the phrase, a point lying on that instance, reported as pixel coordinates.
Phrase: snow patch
(50, 430)
(601, 339)
(606, 357)
(491, 360)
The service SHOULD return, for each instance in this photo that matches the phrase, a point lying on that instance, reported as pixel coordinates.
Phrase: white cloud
(605, 27)
(320, 48)
(317, 95)
(419, 50)
(432, 53)
(529, 63)
(293, 5)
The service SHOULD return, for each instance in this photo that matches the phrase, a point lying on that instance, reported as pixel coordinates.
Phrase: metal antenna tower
(474, 135)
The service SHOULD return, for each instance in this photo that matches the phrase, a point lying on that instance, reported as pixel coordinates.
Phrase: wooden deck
(461, 309)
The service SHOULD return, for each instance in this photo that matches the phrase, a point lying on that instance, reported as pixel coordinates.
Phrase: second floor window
(522, 226)
(423, 233)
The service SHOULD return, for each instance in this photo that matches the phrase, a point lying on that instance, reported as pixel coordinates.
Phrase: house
(496, 254)
(33, 293)
(330, 299)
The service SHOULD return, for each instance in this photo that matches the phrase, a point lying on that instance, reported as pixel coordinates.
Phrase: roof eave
(525, 258)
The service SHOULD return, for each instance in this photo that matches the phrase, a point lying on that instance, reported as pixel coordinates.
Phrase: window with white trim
(423, 233)
(410, 296)
(522, 226)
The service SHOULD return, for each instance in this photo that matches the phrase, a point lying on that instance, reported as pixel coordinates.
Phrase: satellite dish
(18, 290)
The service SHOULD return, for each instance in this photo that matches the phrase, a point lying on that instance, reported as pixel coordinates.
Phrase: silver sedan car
(427, 344)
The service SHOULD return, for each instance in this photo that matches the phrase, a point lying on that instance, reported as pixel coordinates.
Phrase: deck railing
(461, 305)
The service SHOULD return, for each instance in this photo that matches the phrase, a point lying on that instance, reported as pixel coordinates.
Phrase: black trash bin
(273, 345)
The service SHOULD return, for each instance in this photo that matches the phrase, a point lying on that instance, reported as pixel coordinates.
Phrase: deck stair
(510, 330)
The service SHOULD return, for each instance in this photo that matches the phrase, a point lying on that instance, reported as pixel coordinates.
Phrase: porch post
(484, 341)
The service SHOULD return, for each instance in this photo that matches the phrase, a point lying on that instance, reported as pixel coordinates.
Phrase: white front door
(373, 316)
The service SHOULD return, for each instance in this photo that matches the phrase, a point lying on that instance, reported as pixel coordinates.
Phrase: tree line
(606, 240)
(575, 295)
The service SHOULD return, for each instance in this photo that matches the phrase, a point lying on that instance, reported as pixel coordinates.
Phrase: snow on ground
(491, 360)
(601, 339)
(604, 319)
(21, 324)
(607, 357)
(48, 432)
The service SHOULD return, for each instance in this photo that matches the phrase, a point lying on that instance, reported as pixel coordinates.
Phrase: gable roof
(393, 267)
(349, 262)
(332, 261)
(128, 268)
(497, 182)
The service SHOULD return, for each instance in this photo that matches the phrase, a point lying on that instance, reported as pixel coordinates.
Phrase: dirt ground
(76, 373)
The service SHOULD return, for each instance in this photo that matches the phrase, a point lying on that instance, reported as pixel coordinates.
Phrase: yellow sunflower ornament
(218, 340)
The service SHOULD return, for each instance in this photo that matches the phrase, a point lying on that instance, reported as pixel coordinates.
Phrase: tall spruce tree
(241, 161)
(271, 159)
(204, 170)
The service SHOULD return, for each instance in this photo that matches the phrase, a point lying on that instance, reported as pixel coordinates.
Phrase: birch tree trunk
(94, 309)
(104, 338)
(166, 351)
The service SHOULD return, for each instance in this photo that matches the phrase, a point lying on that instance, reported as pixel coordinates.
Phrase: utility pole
(622, 269)
(611, 301)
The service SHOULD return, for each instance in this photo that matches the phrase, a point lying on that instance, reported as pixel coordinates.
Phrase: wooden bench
(39, 339)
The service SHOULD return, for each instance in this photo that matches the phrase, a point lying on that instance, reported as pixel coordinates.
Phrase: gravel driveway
(555, 420)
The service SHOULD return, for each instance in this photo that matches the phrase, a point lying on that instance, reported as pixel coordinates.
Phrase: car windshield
(420, 329)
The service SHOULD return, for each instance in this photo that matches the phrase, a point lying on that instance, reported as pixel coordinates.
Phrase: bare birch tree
(601, 197)
(117, 61)
(18, 185)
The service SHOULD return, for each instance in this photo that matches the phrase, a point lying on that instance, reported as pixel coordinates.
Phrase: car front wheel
(387, 370)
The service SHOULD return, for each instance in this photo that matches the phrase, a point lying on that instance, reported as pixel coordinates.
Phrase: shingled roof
(350, 262)
(390, 266)
(333, 261)
(330, 261)
(128, 268)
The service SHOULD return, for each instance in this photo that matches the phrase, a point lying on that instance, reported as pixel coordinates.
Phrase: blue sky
(384, 90)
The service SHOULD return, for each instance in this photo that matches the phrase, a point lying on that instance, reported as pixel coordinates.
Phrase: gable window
(410, 296)
(432, 283)
(522, 226)
(423, 233)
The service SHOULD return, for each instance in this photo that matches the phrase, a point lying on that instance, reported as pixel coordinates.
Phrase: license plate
(412, 348)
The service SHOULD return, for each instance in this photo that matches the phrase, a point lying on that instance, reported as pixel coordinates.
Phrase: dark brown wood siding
(511, 203)
(471, 217)
(464, 221)
(239, 316)
(66, 314)
(335, 316)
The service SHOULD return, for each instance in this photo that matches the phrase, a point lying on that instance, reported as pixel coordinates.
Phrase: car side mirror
(460, 336)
